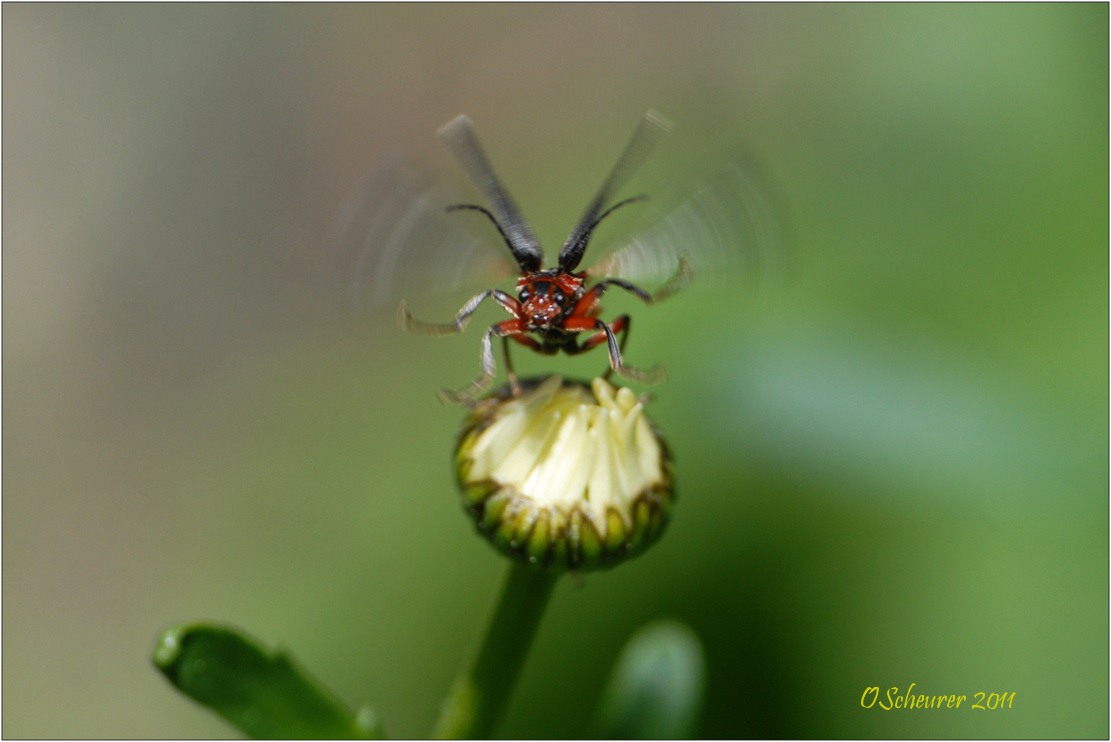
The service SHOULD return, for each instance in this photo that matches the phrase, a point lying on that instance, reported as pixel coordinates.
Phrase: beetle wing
(731, 225)
(459, 136)
(651, 128)
(392, 240)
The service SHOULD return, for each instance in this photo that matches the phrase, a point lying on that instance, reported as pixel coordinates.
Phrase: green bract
(565, 476)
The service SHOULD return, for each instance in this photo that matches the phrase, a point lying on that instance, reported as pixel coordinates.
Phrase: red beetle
(552, 304)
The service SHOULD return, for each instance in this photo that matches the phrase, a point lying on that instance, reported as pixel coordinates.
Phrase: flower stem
(478, 697)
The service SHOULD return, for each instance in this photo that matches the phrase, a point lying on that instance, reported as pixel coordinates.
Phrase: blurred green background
(892, 466)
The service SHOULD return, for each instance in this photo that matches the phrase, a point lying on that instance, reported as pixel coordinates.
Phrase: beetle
(553, 306)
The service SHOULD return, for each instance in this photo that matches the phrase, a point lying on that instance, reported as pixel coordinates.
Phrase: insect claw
(682, 277)
(514, 385)
(408, 323)
(468, 395)
(448, 397)
(404, 317)
(652, 376)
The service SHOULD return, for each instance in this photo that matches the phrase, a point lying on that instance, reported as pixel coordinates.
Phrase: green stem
(478, 696)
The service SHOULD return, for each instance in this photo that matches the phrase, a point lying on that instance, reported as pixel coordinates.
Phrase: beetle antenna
(459, 136)
(648, 132)
(483, 210)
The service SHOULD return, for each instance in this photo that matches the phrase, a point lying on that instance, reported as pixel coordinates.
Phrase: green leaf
(655, 688)
(261, 691)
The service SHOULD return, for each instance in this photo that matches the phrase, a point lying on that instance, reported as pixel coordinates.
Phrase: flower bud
(565, 476)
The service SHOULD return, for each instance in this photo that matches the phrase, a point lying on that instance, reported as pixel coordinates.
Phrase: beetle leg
(514, 387)
(466, 395)
(405, 318)
(605, 332)
(526, 341)
(620, 326)
(653, 375)
(681, 278)
(529, 342)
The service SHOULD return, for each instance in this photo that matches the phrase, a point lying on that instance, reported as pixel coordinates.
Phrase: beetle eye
(523, 296)
(557, 296)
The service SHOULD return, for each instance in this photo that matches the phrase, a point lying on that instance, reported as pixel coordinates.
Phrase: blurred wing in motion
(730, 226)
(652, 127)
(392, 240)
(458, 134)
